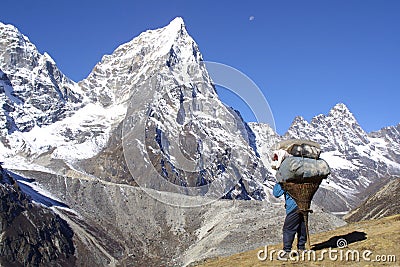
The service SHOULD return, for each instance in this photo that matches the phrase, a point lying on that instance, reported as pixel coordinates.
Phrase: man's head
(277, 157)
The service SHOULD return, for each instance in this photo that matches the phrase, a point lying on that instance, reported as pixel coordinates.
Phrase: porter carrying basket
(300, 171)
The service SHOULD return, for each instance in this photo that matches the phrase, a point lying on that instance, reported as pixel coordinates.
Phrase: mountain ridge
(104, 99)
(38, 92)
(358, 160)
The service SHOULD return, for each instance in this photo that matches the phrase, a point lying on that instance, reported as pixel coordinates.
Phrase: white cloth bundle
(298, 168)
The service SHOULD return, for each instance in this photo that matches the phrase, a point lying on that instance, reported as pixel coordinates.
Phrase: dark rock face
(7, 123)
(110, 165)
(31, 235)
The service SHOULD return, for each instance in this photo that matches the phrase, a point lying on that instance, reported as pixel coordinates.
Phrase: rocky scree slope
(125, 225)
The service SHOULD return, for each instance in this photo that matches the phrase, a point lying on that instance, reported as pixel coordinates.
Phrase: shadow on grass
(336, 241)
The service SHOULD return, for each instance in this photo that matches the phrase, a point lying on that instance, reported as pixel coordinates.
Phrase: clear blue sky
(306, 56)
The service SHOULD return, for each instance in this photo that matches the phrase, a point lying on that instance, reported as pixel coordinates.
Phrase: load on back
(296, 159)
(300, 171)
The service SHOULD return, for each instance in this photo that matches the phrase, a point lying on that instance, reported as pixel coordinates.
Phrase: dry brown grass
(382, 237)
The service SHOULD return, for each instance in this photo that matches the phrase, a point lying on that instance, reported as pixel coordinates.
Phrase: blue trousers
(294, 223)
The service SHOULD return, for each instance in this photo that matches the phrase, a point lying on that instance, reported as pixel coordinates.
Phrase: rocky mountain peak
(161, 51)
(341, 107)
(391, 136)
(160, 79)
(390, 132)
(36, 92)
(176, 22)
(341, 111)
(175, 28)
(337, 129)
(299, 120)
(16, 51)
(297, 127)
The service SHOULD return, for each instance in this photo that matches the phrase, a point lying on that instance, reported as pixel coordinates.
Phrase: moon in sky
(251, 18)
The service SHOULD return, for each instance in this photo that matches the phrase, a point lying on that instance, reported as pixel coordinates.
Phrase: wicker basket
(302, 192)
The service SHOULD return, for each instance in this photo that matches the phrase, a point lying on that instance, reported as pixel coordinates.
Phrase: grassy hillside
(381, 237)
(376, 206)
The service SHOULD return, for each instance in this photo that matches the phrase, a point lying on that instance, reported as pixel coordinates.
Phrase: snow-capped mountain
(166, 50)
(171, 106)
(360, 162)
(39, 105)
(32, 88)
(390, 136)
(39, 108)
(158, 79)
